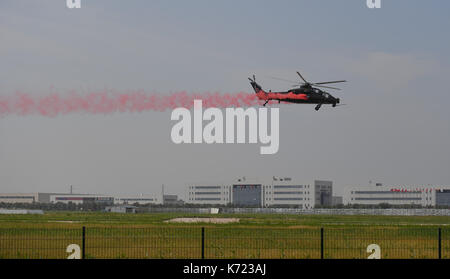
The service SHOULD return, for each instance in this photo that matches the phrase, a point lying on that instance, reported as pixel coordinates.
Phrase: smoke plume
(107, 101)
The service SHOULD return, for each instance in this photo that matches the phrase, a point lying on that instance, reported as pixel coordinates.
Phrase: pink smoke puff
(109, 101)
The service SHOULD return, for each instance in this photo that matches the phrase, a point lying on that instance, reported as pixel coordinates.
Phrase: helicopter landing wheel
(318, 107)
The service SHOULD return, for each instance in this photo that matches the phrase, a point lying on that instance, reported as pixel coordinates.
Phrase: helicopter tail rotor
(255, 85)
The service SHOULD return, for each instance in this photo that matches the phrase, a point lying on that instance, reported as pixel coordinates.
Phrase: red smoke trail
(106, 102)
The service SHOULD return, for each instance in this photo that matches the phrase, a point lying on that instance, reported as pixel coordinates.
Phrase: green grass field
(256, 236)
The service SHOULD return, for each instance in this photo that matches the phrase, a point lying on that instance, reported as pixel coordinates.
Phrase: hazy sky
(394, 129)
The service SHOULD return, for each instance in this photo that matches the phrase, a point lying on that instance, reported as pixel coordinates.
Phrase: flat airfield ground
(255, 236)
(252, 220)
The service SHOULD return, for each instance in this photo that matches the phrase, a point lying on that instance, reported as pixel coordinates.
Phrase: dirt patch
(70, 222)
(203, 220)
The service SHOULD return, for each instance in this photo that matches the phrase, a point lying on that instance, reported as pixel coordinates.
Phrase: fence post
(203, 242)
(440, 243)
(83, 244)
(321, 243)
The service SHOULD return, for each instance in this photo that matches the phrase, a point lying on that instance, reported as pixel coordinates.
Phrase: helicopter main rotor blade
(302, 77)
(327, 82)
(327, 87)
(282, 79)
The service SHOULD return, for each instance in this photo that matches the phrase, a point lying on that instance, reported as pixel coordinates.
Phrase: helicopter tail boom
(262, 95)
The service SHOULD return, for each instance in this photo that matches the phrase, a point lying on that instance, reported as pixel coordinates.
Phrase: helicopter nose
(338, 101)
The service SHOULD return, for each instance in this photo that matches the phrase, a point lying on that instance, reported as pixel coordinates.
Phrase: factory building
(81, 198)
(121, 209)
(20, 211)
(76, 198)
(247, 194)
(337, 200)
(19, 198)
(323, 193)
(279, 192)
(53, 198)
(443, 197)
(405, 195)
(283, 192)
(26, 197)
(142, 200)
(208, 194)
(172, 200)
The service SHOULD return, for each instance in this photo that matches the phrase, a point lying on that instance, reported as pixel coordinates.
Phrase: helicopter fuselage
(302, 95)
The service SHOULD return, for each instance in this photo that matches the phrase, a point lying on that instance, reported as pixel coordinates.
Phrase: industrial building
(405, 195)
(443, 197)
(208, 194)
(26, 197)
(282, 192)
(19, 198)
(21, 211)
(121, 209)
(247, 194)
(76, 198)
(337, 200)
(278, 192)
(81, 198)
(141, 199)
(323, 193)
(172, 200)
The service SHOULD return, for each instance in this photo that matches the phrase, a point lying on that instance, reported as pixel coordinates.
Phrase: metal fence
(225, 243)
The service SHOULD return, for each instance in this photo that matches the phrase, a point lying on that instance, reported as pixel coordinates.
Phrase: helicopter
(305, 93)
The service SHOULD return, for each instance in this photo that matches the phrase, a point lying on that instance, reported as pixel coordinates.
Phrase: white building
(404, 195)
(19, 198)
(52, 198)
(21, 211)
(76, 198)
(283, 192)
(81, 198)
(277, 192)
(121, 209)
(204, 193)
(141, 199)
(25, 197)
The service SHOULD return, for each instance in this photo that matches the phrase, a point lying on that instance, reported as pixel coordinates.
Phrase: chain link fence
(133, 242)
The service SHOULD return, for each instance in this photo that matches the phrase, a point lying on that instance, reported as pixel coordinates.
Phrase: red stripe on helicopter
(281, 96)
